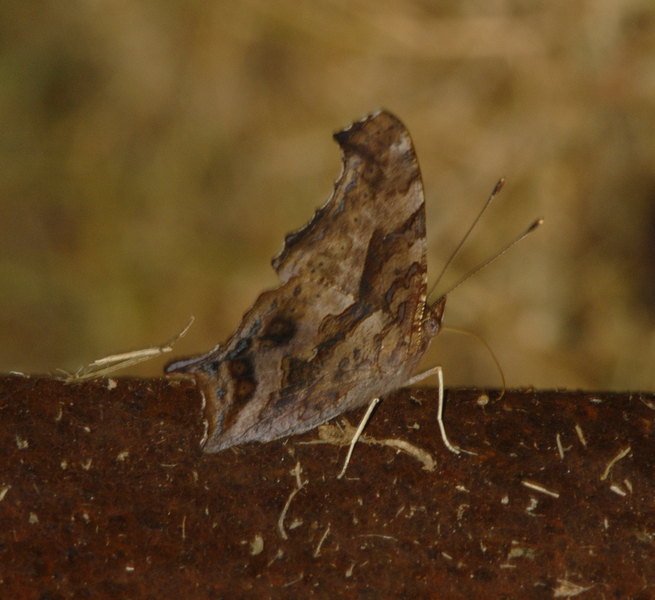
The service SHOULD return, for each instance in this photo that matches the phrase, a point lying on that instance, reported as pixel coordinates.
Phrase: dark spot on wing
(279, 331)
(240, 368)
(242, 372)
(244, 384)
(243, 390)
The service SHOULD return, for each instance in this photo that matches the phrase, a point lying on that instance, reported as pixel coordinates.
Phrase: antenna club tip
(536, 224)
(499, 186)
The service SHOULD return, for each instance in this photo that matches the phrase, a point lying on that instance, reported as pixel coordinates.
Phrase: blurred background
(154, 154)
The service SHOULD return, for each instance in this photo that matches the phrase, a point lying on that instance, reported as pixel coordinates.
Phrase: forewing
(345, 325)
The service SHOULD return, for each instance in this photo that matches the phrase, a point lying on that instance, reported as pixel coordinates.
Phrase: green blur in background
(153, 155)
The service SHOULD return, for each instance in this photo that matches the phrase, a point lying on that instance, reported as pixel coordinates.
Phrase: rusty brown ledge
(104, 492)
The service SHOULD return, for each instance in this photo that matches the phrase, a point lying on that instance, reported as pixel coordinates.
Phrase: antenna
(494, 193)
(498, 254)
(528, 231)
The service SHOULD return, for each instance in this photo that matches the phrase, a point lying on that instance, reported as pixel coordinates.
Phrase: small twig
(429, 463)
(539, 488)
(616, 459)
(559, 446)
(331, 434)
(578, 430)
(300, 485)
(290, 583)
(115, 362)
(566, 589)
(317, 552)
(617, 490)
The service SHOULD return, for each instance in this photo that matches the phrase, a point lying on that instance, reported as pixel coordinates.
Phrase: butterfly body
(349, 321)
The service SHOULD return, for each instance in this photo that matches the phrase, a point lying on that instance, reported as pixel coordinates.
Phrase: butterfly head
(432, 318)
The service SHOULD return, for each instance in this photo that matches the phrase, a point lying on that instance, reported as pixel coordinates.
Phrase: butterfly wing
(378, 193)
(345, 325)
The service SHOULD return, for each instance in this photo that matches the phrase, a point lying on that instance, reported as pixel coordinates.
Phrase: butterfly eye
(432, 326)
(432, 322)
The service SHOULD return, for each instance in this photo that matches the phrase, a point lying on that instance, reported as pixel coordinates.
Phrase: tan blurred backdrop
(154, 154)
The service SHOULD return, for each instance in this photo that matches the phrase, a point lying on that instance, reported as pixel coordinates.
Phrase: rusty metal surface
(106, 493)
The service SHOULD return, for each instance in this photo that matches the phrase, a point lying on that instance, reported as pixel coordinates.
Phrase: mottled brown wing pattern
(379, 189)
(345, 325)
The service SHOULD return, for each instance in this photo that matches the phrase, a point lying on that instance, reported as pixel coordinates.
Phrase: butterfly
(349, 321)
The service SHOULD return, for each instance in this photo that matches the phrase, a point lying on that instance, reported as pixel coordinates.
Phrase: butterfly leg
(358, 433)
(439, 372)
(442, 428)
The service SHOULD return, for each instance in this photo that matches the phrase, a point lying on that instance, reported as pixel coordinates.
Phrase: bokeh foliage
(154, 154)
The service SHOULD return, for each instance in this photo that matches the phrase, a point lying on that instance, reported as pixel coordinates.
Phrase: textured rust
(105, 493)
